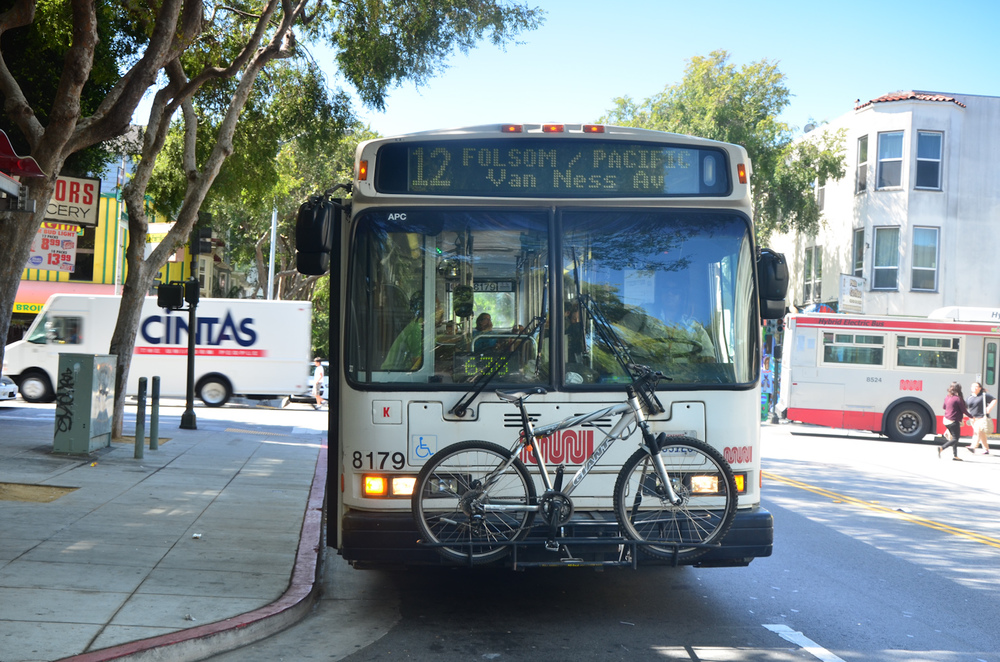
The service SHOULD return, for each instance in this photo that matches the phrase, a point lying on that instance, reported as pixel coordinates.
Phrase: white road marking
(801, 640)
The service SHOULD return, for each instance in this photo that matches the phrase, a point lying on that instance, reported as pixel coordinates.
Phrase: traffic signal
(201, 241)
(170, 296)
(192, 291)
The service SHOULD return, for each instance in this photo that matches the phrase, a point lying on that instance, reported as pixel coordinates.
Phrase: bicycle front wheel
(472, 498)
(703, 480)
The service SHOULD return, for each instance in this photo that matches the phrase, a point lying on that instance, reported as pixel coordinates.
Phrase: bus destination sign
(533, 167)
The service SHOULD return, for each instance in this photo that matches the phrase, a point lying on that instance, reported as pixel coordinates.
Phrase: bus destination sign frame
(551, 167)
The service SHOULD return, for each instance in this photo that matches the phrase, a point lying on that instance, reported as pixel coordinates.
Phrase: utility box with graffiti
(85, 395)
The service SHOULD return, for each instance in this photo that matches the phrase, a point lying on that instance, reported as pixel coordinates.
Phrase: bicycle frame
(631, 413)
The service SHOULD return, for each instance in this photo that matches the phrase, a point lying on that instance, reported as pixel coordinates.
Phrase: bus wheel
(35, 387)
(907, 422)
(214, 390)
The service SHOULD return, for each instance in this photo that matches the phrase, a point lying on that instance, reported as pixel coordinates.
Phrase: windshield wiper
(607, 333)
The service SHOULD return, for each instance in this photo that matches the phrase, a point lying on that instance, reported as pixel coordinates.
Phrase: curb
(202, 641)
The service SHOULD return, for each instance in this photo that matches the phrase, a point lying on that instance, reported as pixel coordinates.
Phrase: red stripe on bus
(831, 418)
(182, 351)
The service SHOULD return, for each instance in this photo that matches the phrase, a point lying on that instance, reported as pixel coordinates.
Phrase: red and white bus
(885, 374)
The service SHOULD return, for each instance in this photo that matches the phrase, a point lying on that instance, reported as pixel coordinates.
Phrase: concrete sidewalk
(209, 543)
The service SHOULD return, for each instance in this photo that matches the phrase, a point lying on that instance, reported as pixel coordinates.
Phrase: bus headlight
(382, 485)
(704, 484)
(708, 484)
(403, 485)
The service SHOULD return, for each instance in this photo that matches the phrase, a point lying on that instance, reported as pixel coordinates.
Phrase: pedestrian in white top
(980, 404)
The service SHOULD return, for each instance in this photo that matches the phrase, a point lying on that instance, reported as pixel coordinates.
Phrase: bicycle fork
(654, 446)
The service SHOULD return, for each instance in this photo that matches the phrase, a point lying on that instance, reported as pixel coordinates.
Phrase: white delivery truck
(248, 347)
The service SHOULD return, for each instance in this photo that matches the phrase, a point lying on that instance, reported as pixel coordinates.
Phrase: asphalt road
(883, 552)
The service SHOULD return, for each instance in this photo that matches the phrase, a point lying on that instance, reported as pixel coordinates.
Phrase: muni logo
(563, 447)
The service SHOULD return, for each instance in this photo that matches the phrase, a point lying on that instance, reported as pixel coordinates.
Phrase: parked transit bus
(884, 374)
(521, 256)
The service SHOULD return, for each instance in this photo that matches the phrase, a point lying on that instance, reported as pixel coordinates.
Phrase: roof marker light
(593, 128)
(362, 171)
(511, 128)
(553, 128)
(741, 171)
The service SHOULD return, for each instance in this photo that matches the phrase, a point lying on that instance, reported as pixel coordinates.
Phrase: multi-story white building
(917, 214)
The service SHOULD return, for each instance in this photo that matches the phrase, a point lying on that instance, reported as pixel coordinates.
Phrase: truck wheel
(907, 422)
(214, 390)
(36, 387)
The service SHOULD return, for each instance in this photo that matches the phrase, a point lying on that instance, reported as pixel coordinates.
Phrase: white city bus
(494, 257)
(884, 374)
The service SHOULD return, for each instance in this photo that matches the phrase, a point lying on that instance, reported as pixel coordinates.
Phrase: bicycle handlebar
(644, 383)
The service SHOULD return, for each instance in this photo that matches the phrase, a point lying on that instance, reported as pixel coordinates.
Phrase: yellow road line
(922, 521)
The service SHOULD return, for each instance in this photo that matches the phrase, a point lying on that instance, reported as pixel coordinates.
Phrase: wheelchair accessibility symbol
(422, 446)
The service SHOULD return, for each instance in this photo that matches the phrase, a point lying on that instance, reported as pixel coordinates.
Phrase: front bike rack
(632, 546)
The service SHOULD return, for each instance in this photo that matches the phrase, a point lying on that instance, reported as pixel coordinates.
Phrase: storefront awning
(32, 294)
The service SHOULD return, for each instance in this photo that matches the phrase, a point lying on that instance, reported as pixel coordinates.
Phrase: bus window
(853, 349)
(666, 285)
(420, 280)
(912, 352)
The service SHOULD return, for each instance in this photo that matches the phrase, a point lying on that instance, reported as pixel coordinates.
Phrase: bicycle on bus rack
(674, 498)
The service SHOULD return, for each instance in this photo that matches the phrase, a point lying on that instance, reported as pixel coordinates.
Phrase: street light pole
(270, 268)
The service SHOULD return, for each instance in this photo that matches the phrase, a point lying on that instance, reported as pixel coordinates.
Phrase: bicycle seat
(514, 396)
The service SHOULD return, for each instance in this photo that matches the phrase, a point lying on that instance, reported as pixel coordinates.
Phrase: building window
(859, 252)
(820, 197)
(862, 174)
(84, 267)
(929, 160)
(885, 268)
(890, 160)
(925, 249)
(812, 279)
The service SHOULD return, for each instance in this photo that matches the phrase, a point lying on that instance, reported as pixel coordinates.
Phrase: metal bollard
(140, 420)
(154, 417)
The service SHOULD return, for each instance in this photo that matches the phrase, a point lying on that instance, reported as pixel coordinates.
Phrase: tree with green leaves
(209, 57)
(717, 100)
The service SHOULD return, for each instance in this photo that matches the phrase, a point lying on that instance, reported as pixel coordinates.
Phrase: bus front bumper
(375, 539)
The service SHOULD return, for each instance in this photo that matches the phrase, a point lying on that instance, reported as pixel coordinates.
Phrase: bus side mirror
(314, 234)
(773, 273)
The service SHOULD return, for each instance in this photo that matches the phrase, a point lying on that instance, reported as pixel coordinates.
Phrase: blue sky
(588, 53)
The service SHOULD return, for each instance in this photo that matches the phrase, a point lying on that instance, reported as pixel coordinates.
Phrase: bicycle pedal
(552, 546)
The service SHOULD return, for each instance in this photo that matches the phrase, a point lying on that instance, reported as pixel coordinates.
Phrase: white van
(248, 347)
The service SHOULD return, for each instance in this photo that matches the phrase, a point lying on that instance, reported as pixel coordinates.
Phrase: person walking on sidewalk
(318, 383)
(955, 412)
(980, 404)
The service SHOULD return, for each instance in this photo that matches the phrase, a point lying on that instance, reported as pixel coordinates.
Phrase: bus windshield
(438, 297)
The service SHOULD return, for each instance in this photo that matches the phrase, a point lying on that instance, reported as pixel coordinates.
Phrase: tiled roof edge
(908, 96)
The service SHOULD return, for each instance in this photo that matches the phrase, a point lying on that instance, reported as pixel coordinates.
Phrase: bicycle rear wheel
(460, 497)
(700, 476)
